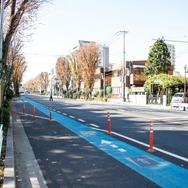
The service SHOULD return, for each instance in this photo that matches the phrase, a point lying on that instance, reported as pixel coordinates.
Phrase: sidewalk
(20, 157)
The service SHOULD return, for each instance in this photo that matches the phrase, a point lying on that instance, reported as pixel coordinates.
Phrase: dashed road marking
(94, 125)
(114, 146)
(81, 120)
(122, 150)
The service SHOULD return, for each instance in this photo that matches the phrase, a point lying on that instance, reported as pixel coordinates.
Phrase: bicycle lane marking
(156, 169)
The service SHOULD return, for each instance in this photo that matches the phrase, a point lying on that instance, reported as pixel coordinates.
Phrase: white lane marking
(72, 117)
(94, 125)
(121, 110)
(64, 114)
(170, 117)
(114, 146)
(106, 142)
(122, 150)
(147, 145)
(58, 111)
(81, 120)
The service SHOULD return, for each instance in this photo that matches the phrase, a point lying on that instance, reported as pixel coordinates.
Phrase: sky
(62, 23)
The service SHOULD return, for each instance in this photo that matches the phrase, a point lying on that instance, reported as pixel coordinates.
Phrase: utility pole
(1, 29)
(185, 84)
(1, 50)
(123, 66)
(104, 74)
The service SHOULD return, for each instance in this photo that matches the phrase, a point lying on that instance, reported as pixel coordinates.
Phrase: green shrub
(109, 91)
(101, 93)
(6, 124)
(6, 118)
(9, 94)
(96, 94)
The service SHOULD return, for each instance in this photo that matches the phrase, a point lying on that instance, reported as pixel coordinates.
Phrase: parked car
(22, 93)
(179, 98)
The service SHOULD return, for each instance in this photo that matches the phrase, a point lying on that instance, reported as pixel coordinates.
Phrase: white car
(179, 98)
(22, 93)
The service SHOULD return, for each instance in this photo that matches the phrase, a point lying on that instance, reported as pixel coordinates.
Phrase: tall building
(103, 52)
(104, 56)
(171, 49)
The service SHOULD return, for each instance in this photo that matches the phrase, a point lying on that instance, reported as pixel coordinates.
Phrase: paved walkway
(20, 154)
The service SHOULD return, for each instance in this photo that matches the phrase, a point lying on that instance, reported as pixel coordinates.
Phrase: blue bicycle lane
(158, 170)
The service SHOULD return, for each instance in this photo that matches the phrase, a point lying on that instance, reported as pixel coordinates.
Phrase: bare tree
(89, 60)
(15, 66)
(44, 80)
(19, 67)
(30, 85)
(63, 71)
(19, 14)
(75, 69)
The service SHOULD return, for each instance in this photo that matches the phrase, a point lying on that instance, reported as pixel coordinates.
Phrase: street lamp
(185, 85)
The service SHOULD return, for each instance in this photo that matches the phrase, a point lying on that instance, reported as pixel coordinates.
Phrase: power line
(112, 39)
(54, 55)
(182, 52)
(182, 41)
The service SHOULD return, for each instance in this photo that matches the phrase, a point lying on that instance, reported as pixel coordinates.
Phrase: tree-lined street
(78, 138)
(74, 154)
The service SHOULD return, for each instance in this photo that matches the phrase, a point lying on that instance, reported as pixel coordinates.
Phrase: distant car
(179, 98)
(22, 93)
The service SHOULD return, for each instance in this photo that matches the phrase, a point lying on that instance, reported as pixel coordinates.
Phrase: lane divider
(50, 113)
(34, 111)
(151, 137)
(109, 123)
(24, 109)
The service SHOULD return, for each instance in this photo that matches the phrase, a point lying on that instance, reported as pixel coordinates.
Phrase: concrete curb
(9, 171)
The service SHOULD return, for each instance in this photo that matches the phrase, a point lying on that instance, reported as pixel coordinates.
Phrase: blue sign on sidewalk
(143, 161)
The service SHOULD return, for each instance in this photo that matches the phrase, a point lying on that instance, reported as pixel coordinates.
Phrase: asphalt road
(170, 127)
(68, 160)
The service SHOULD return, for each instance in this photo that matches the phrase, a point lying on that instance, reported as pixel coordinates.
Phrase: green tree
(162, 81)
(159, 59)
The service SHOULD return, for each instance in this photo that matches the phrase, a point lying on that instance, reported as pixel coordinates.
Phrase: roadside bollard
(109, 123)
(24, 109)
(151, 137)
(50, 113)
(34, 111)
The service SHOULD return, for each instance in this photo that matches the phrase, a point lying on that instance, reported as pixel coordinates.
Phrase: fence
(155, 99)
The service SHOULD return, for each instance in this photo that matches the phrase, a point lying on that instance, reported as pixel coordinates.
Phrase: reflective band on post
(50, 113)
(34, 111)
(151, 137)
(24, 109)
(109, 123)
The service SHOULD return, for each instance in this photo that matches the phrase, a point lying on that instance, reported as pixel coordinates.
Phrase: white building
(103, 52)
(171, 49)
(104, 56)
(53, 87)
